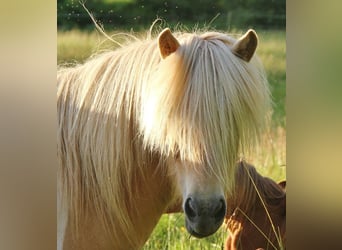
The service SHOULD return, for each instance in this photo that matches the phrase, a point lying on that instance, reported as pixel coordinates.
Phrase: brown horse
(256, 216)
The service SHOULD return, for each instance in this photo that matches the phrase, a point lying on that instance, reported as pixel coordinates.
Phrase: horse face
(198, 110)
(203, 200)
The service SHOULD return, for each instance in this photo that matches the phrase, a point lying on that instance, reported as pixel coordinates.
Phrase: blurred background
(139, 14)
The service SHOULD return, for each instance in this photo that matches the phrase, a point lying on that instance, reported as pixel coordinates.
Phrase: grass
(272, 51)
(270, 157)
(76, 46)
(171, 234)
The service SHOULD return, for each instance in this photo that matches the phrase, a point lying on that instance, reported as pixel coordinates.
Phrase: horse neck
(245, 195)
(149, 199)
(250, 214)
(257, 199)
(253, 191)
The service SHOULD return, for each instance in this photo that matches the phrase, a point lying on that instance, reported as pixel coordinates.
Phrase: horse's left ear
(167, 43)
(246, 45)
(282, 184)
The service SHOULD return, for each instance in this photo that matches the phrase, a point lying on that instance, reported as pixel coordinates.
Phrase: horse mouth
(197, 234)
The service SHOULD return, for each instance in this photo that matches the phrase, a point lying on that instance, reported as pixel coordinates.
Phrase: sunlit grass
(76, 46)
(272, 51)
(171, 234)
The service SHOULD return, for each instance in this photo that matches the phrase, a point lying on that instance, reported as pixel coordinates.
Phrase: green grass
(171, 234)
(76, 46)
(269, 158)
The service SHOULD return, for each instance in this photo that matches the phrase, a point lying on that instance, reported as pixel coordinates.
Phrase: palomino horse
(152, 122)
(256, 215)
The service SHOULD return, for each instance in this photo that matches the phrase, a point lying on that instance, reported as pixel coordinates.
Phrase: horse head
(205, 101)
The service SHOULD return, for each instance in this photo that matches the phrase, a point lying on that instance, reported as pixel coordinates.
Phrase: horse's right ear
(167, 43)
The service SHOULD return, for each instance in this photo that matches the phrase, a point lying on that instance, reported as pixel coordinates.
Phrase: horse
(155, 121)
(256, 216)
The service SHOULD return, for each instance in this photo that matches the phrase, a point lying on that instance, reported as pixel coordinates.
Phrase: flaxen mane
(125, 114)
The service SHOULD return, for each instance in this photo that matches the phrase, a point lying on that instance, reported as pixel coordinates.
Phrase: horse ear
(246, 45)
(282, 184)
(167, 43)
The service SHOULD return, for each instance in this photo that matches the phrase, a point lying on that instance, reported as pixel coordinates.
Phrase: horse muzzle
(204, 217)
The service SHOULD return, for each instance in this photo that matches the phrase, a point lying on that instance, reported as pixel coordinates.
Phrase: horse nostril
(220, 210)
(189, 208)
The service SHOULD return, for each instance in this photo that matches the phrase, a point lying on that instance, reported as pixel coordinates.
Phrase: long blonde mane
(204, 104)
(127, 109)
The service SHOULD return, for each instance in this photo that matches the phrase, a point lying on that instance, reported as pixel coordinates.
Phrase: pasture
(270, 157)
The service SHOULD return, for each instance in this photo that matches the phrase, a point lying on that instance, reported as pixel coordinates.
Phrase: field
(269, 158)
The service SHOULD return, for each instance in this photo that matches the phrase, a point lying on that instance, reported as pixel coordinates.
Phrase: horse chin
(201, 231)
